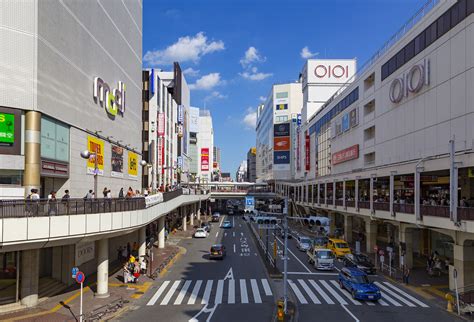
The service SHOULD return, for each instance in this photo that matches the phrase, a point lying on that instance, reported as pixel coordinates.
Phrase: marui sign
(350, 153)
(410, 82)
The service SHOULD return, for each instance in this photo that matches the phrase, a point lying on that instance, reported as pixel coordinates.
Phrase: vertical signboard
(307, 157)
(132, 164)
(117, 161)
(298, 150)
(161, 124)
(96, 148)
(281, 146)
(204, 159)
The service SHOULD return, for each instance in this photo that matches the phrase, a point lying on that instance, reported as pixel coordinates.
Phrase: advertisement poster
(161, 124)
(345, 122)
(117, 161)
(95, 146)
(281, 143)
(7, 128)
(307, 152)
(205, 159)
(132, 164)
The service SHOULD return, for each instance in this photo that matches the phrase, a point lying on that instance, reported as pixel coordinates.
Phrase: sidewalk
(65, 307)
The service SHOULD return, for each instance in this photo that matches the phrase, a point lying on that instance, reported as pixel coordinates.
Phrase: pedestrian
(121, 194)
(104, 192)
(136, 271)
(52, 209)
(446, 264)
(126, 273)
(31, 201)
(406, 275)
(130, 192)
(66, 196)
(89, 194)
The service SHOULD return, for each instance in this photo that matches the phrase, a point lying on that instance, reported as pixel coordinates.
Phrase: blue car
(226, 224)
(357, 283)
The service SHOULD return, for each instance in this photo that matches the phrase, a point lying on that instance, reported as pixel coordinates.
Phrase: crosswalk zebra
(188, 292)
(258, 291)
(329, 292)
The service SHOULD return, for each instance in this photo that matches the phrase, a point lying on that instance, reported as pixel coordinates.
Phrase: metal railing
(465, 213)
(339, 202)
(385, 206)
(435, 211)
(364, 204)
(167, 196)
(404, 208)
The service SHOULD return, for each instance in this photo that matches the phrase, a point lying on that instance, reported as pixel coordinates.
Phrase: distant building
(225, 177)
(241, 173)
(252, 165)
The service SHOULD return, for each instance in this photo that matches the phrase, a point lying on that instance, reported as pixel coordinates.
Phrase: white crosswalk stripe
(333, 293)
(207, 292)
(220, 291)
(266, 287)
(182, 293)
(392, 293)
(406, 295)
(345, 293)
(231, 295)
(297, 292)
(255, 292)
(308, 291)
(321, 292)
(158, 293)
(244, 298)
(194, 294)
(170, 293)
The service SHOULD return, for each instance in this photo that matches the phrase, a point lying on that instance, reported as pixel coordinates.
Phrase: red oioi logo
(329, 71)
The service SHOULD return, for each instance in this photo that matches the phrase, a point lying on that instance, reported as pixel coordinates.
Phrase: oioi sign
(410, 82)
(113, 100)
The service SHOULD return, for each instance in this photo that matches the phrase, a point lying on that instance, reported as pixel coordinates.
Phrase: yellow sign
(96, 148)
(132, 164)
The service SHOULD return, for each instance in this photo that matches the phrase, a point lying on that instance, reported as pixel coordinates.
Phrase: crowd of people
(132, 267)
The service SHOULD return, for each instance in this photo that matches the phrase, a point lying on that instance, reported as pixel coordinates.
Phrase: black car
(217, 252)
(360, 262)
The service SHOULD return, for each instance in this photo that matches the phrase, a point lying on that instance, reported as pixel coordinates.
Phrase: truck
(321, 258)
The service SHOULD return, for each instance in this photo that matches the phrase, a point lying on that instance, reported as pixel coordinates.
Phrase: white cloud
(214, 95)
(207, 82)
(250, 119)
(262, 98)
(188, 48)
(255, 76)
(251, 56)
(191, 72)
(306, 53)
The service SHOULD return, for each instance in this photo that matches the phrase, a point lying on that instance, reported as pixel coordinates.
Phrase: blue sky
(234, 50)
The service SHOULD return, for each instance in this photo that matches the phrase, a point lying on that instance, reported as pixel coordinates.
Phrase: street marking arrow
(229, 275)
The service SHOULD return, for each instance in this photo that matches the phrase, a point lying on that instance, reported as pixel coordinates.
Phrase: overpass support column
(103, 268)
(191, 215)
(161, 232)
(370, 235)
(198, 211)
(142, 244)
(29, 277)
(464, 265)
(406, 249)
(348, 228)
(182, 213)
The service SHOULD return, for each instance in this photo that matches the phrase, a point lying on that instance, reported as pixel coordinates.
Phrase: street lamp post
(86, 154)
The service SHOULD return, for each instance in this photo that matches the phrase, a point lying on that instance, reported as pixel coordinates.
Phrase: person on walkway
(406, 274)
(129, 250)
(52, 206)
(31, 201)
(89, 194)
(105, 191)
(121, 193)
(130, 192)
(136, 271)
(126, 273)
(66, 196)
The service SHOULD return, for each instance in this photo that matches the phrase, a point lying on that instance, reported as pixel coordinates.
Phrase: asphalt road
(199, 289)
(319, 297)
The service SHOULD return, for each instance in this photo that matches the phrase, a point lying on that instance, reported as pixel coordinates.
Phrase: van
(339, 247)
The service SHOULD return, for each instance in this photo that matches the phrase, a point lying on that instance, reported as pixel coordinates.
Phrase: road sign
(80, 277)
(249, 203)
(74, 271)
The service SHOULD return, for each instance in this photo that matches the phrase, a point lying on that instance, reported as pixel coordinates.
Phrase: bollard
(280, 310)
(450, 299)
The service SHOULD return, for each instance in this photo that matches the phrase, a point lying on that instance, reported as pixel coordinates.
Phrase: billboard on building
(117, 161)
(281, 143)
(204, 159)
(193, 119)
(7, 128)
(328, 71)
(347, 154)
(132, 164)
(96, 148)
(281, 146)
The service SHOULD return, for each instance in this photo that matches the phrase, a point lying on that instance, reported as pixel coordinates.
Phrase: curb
(173, 260)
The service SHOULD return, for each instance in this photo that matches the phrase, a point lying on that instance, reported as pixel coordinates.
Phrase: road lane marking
(414, 299)
(234, 248)
(382, 302)
(350, 313)
(346, 294)
(170, 293)
(308, 291)
(225, 234)
(266, 287)
(158, 293)
(321, 292)
(219, 292)
(241, 234)
(309, 271)
(207, 292)
(231, 295)
(182, 293)
(233, 221)
(333, 292)
(194, 294)
(233, 234)
(297, 292)
(255, 291)
(392, 293)
(243, 292)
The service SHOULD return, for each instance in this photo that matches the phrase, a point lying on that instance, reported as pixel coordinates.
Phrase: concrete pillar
(161, 232)
(348, 228)
(141, 243)
(464, 264)
(29, 277)
(356, 192)
(371, 194)
(56, 267)
(417, 194)
(68, 261)
(332, 223)
(370, 235)
(102, 268)
(32, 172)
(344, 194)
(198, 211)
(183, 215)
(191, 216)
(405, 235)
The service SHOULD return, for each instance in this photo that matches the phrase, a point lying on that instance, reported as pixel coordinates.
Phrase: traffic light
(281, 310)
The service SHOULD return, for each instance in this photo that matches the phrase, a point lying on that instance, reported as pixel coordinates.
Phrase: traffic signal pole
(285, 260)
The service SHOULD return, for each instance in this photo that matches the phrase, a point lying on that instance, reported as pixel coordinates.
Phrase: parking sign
(249, 203)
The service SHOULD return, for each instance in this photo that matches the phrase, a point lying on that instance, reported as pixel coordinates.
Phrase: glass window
(392, 65)
(410, 51)
(400, 58)
(360, 279)
(444, 24)
(420, 43)
(281, 95)
(10, 177)
(430, 34)
(469, 8)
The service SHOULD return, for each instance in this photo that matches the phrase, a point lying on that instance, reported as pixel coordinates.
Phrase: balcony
(404, 208)
(434, 211)
(385, 206)
(364, 204)
(339, 202)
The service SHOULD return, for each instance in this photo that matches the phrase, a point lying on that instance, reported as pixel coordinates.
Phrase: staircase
(49, 287)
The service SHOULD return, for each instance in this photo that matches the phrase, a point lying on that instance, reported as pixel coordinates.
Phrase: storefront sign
(7, 128)
(84, 252)
(331, 71)
(132, 164)
(54, 169)
(307, 158)
(180, 114)
(282, 129)
(95, 146)
(112, 100)
(117, 161)
(205, 159)
(350, 153)
(281, 157)
(161, 124)
(281, 143)
(411, 82)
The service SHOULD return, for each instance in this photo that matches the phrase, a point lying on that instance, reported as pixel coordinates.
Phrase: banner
(205, 159)
(132, 164)
(117, 161)
(307, 157)
(94, 146)
(161, 124)
(7, 128)
(350, 153)
(282, 129)
(281, 143)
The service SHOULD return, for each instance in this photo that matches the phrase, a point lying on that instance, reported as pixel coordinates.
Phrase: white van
(321, 258)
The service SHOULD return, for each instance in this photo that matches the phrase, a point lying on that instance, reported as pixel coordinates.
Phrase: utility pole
(285, 260)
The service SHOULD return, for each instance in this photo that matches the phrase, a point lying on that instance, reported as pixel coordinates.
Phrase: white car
(200, 233)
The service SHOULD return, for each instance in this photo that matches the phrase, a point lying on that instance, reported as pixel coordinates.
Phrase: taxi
(339, 247)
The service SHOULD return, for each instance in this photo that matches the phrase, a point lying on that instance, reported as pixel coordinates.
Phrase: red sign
(281, 143)
(307, 157)
(205, 159)
(80, 277)
(350, 153)
(161, 124)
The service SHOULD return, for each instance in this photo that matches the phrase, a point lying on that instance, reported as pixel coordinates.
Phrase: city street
(198, 289)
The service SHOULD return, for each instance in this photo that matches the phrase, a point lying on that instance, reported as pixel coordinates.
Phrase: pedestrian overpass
(236, 190)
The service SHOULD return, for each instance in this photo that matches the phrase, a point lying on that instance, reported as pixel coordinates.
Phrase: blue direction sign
(249, 203)
(80, 277)
(74, 271)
